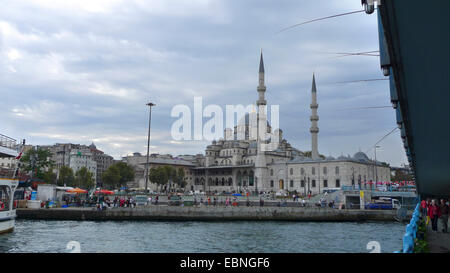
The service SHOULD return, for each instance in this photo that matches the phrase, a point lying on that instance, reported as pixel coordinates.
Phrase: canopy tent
(104, 192)
(77, 190)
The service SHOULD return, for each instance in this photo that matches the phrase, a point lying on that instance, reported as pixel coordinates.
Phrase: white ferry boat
(8, 186)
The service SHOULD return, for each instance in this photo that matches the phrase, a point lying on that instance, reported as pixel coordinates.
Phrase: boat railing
(7, 142)
(6, 173)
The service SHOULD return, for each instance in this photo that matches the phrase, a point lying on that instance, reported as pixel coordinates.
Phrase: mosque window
(337, 169)
(271, 183)
(325, 183)
(313, 170)
(271, 172)
(338, 183)
(313, 183)
(302, 171)
(302, 183)
(291, 183)
(324, 170)
(291, 171)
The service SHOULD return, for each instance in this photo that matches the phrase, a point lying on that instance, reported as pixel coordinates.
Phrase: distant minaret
(260, 160)
(261, 87)
(314, 118)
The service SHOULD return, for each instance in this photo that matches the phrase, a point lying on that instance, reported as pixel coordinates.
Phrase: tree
(179, 179)
(66, 176)
(84, 178)
(158, 176)
(126, 172)
(118, 174)
(401, 176)
(111, 176)
(37, 161)
(49, 176)
(309, 154)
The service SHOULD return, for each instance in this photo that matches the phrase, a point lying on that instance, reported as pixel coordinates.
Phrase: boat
(8, 185)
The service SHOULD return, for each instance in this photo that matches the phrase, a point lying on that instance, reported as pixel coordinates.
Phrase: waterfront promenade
(209, 213)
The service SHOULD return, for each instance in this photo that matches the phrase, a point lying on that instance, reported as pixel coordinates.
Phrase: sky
(82, 71)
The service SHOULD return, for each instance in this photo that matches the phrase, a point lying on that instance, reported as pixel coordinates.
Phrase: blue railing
(411, 231)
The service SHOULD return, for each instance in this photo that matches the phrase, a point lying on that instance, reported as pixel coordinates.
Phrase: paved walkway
(438, 242)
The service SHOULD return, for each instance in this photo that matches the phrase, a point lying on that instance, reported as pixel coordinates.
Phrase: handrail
(6, 141)
(411, 232)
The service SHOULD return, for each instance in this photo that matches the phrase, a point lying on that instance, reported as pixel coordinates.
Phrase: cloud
(82, 71)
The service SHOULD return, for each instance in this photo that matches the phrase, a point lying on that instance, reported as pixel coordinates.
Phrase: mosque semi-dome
(360, 156)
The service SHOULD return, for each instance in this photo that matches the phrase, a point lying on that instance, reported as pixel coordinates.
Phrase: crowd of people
(433, 210)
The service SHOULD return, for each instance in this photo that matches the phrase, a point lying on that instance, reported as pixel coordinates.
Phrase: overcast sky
(81, 71)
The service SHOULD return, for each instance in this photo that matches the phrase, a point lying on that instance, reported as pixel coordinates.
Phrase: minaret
(314, 118)
(261, 87)
(260, 160)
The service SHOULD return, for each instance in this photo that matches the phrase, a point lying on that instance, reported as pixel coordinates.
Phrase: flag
(20, 155)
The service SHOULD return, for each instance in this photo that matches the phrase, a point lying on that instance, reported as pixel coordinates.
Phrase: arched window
(251, 178)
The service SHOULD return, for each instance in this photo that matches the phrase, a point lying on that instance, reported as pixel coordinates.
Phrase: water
(216, 237)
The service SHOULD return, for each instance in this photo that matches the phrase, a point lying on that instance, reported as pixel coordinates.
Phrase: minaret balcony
(314, 130)
(314, 118)
(314, 105)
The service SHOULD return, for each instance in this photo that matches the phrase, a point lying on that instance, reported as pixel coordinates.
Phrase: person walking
(444, 215)
(434, 212)
(423, 208)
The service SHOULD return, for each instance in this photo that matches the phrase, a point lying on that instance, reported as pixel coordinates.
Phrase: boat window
(5, 194)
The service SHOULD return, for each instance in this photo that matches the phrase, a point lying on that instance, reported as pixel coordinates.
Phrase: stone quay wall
(164, 213)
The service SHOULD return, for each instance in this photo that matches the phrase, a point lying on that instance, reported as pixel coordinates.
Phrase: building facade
(239, 163)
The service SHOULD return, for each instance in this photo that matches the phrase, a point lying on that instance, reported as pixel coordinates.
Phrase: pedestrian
(444, 215)
(215, 201)
(423, 208)
(434, 212)
(261, 202)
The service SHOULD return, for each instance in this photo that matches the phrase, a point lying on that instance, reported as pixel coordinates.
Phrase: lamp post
(150, 104)
(376, 174)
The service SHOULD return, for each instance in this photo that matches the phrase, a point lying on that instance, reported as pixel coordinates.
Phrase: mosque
(238, 163)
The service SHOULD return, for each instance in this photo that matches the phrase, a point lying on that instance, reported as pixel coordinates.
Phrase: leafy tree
(126, 172)
(158, 176)
(309, 154)
(49, 176)
(37, 161)
(118, 174)
(84, 178)
(179, 179)
(66, 176)
(401, 176)
(111, 177)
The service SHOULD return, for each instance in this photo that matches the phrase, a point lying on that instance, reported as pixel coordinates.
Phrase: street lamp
(150, 104)
(376, 174)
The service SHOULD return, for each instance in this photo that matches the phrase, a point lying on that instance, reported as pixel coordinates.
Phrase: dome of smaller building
(360, 156)
(342, 157)
(330, 158)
